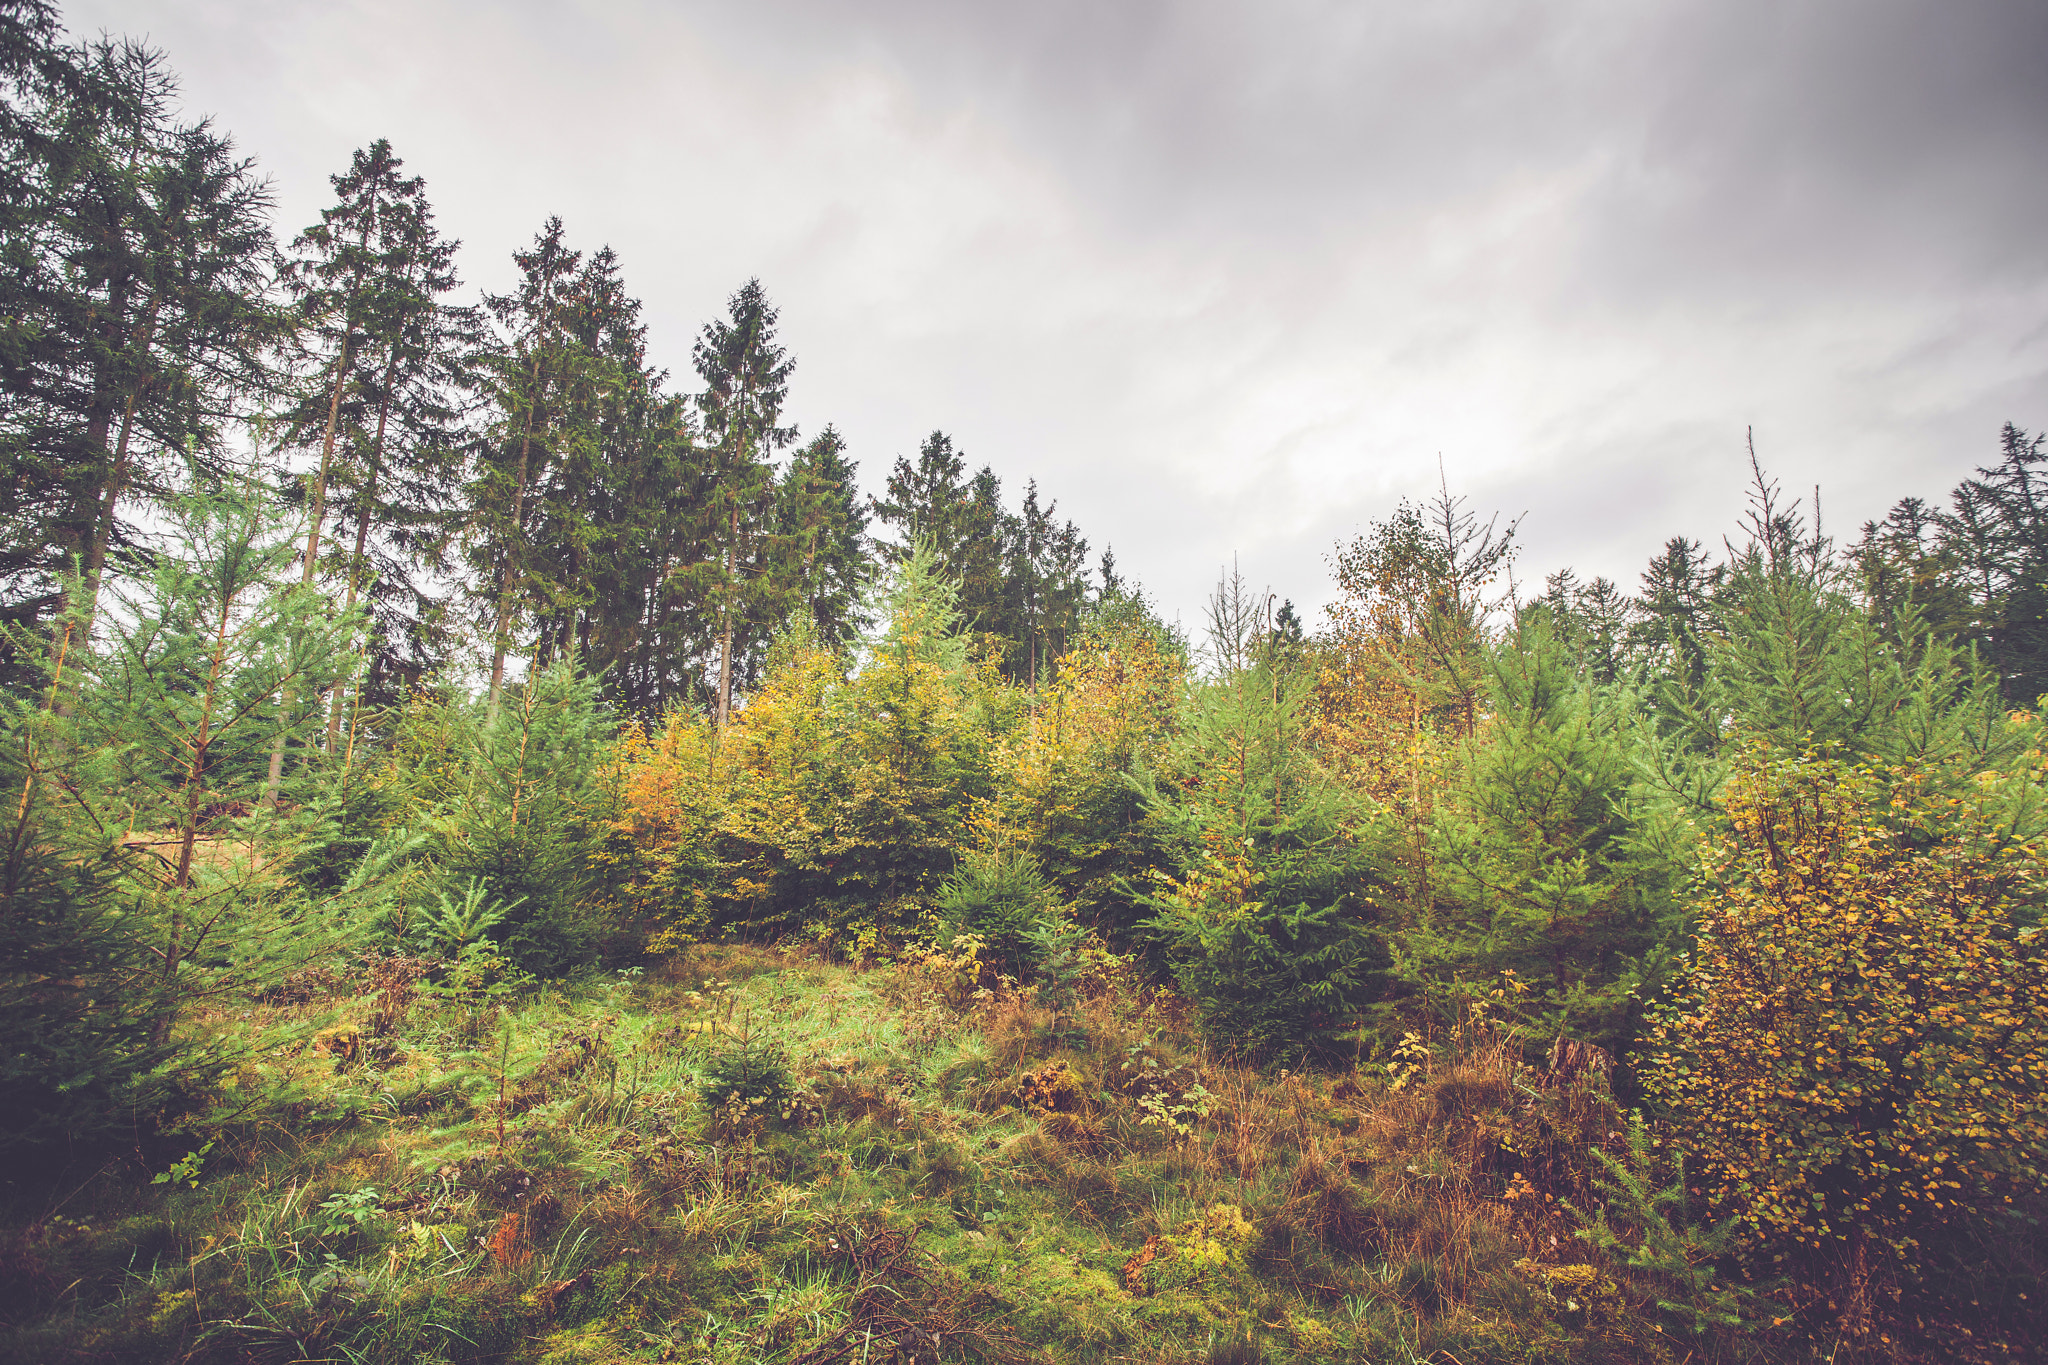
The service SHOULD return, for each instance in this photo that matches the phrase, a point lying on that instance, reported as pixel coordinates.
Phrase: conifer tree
(1550, 863)
(822, 533)
(1264, 904)
(924, 501)
(370, 284)
(1023, 577)
(1679, 588)
(584, 516)
(146, 802)
(525, 808)
(976, 545)
(528, 373)
(80, 999)
(658, 655)
(1048, 584)
(907, 756)
(1975, 571)
(137, 309)
(1596, 622)
(1110, 709)
(746, 382)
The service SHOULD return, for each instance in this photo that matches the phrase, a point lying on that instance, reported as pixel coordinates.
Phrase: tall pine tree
(138, 319)
(746, 381)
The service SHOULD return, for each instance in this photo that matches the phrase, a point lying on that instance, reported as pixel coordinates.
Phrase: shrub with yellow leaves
(1856, 1054)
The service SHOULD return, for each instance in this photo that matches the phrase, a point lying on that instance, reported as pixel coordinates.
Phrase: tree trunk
(725, 634)
(103, 522)
(498, 642)
(195, 786)
(275, 777)
(355, 563)
(76, 532)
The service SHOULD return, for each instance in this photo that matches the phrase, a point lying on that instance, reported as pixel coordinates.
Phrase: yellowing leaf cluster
(1858, 1049)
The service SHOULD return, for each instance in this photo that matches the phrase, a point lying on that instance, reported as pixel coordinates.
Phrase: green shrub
(1265, 908)
(749, 1070)
(1003, 898)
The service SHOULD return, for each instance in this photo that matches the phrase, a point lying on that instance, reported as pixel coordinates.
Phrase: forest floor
(750, 1156)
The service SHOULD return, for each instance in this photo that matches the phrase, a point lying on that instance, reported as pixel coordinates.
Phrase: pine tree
(822, 529)
(138, 316)
(1023, 578)
(846, 801)
(528, 373)
(1265, 905)
(1550, 864)
(746, 378)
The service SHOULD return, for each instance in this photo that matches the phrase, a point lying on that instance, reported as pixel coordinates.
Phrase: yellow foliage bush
(1857, 1050)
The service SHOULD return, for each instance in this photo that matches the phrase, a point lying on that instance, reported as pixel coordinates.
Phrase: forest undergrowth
(747, 1155)
(764, 1157)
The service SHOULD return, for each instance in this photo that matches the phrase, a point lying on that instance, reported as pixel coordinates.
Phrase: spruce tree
(585, 518)
(1264, 904)
(975, 544)
(1791, 661)
(1550, 861)
(822, 528)
(1679, 588)
(81, 1049)
(138, 317)
(1047, 587)
(746, 381)
(924, 501)
(528, 370)
(190, 678)
(1997, 536)
(659, 655)
(382, 408)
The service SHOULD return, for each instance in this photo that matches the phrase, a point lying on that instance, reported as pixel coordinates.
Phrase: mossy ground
(909, 1169)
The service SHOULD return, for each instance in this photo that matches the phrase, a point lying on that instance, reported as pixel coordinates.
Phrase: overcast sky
(1228, 280)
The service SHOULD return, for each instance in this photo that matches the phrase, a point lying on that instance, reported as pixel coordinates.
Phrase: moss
(1311, 1336)
(595, 1343)
(1211, 1250)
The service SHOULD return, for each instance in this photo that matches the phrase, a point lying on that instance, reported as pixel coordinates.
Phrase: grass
(746, 1156)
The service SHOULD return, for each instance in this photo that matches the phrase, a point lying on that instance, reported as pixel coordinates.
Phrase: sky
(1231, 280)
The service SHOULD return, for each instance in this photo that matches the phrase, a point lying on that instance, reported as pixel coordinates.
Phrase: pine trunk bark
(725, 634)
(355, 563)
(503, 621)
(275, 778)
(194, 789)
